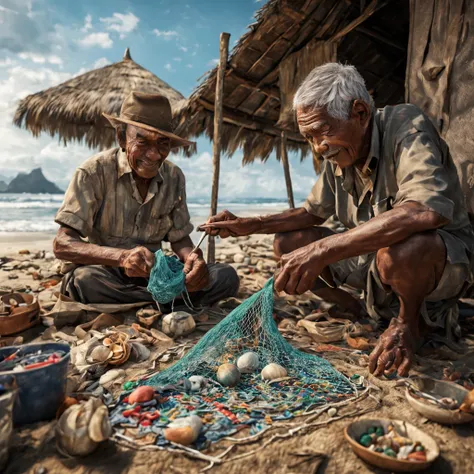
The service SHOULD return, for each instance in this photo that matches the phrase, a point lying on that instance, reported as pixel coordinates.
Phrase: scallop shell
(228, 375)
(273, 371)
(184, 430)
(248, 362)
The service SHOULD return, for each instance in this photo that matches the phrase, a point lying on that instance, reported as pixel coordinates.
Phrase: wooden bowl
(442, 389)
(355, 430)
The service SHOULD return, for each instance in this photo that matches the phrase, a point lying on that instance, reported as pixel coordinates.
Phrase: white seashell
(273, 371)
(248, 362)
(228, 375)
(111, 375)
(332, 412)
(178, 324)
(197, 383)
(99, 426)
(184, 430)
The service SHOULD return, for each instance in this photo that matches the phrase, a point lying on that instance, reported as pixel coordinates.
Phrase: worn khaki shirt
(407, 161)
(103, 204)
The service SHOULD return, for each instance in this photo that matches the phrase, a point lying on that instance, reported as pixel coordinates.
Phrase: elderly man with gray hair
(388, 178)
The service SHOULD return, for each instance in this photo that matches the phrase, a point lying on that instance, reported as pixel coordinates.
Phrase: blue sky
(43, 43)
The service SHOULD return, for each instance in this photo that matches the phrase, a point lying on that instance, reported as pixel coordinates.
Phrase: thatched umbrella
(73, 110)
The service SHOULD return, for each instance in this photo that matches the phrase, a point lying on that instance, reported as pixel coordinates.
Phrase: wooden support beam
(217, 142)
(373, 6)
(247, 82)
(286, 170)
(252, 123)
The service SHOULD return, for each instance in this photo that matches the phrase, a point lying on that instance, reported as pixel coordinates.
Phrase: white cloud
(184, 49)
(7, 62)
(213, 62)
(190, 66)
(102, 40)
(40, 59)
(101, 63)
(169, 67)
(194, 54)
(167, 35)
(121, 23)
(87, 24)
(177, 59)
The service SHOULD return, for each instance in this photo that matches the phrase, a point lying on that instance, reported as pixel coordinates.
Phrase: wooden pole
(217, 145)
(286, 169)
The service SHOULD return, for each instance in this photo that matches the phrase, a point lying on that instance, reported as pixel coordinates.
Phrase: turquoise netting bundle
(166, 280)
(249, 394)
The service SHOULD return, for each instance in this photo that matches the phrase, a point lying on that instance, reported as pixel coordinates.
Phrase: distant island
(33, 182)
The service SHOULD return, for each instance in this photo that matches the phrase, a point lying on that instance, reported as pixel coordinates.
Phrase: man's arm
(68, 245)
(226, 224)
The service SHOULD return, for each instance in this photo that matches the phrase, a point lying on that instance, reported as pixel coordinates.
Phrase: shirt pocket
(382, 206)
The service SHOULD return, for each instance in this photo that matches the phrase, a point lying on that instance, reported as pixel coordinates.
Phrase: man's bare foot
(395, 349)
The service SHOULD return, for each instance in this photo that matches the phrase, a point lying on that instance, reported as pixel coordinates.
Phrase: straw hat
(151, 112)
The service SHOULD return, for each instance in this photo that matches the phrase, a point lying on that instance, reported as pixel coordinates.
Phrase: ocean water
(35, 212)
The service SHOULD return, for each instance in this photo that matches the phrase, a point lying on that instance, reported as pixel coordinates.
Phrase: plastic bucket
(40, 391)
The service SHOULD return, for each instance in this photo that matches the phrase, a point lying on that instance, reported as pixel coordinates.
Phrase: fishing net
(166, 278)
(310, 383)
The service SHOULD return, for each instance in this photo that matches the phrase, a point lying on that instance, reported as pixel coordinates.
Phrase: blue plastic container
(40, 391)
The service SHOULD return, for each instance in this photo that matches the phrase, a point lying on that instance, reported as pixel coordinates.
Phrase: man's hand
(137, 262)
(195, 269)
(299, 270)
(394, 350)
(225, 224)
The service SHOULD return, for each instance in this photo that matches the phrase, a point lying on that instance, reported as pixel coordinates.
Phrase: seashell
(72, 429)
(184, 430)
(100, 354)
(228, 375)
(248, 362)
(111, 375)
(178, 324)
(138, 352)
(107, 341)
(273, 371)
(197, 383)
(99, 426)
(332, 412)
(145, 393)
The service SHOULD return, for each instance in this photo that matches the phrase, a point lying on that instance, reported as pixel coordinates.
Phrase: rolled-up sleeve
(181, 220)
(321, 200)
(420, 173)
(81, 203)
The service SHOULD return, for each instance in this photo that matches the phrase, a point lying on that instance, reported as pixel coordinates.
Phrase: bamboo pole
(286, 169)
(217, 145)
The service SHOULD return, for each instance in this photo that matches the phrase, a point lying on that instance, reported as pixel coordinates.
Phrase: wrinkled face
(339, 141)
(146, 151)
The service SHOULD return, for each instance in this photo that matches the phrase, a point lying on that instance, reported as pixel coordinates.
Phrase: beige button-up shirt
(104, 205)
(407, 161)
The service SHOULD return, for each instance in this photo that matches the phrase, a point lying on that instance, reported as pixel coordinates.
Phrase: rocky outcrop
(33, 182)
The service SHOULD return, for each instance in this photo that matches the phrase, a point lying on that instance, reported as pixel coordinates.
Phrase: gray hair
(334, 87)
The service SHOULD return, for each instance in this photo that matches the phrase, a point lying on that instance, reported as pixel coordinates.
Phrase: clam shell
(228, 375)
(178, 324)
(100, 354)
(99, 425)
(273, 371)
(248, 362)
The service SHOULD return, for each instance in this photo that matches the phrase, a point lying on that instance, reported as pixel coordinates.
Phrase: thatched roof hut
(269, 62)
(73, 109)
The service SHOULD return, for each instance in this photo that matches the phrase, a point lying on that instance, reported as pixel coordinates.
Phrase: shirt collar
(123, 167)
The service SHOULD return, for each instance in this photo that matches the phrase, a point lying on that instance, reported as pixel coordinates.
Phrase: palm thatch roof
(271, 59)
(73, 109)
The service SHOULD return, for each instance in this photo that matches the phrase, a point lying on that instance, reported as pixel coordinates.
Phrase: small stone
(24, 252)
(12, 276)
(365, 440)
(260, 266)
(379, 450)
(420, 448)
(128, 386)
(379, 431)
(371, 430)
(49, 256)
(239, 258)
(222, 258)
(390, 452)
(247, 260)
(332, 412)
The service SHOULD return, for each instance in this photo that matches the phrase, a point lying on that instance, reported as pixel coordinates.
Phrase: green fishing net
(167, 280)
(250, 327)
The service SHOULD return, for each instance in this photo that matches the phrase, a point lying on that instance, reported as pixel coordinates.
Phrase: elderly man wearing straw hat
(125, 202)
(389, 179)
